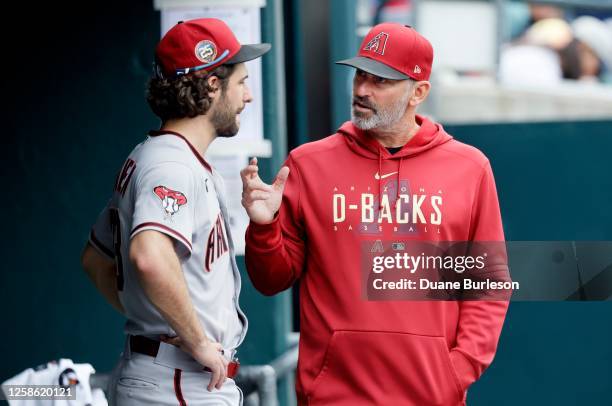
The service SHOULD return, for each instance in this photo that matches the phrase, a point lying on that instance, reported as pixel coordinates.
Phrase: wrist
(265, 222)
(198, 345)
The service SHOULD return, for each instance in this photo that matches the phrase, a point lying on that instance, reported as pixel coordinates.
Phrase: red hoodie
(359, 352)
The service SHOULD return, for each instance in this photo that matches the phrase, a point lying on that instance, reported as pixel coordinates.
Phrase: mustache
(364, 102)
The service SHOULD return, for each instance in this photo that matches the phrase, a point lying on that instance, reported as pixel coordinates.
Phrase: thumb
(281, 178)
(176, 341)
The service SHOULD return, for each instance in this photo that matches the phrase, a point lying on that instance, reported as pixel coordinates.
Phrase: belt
(147, 346)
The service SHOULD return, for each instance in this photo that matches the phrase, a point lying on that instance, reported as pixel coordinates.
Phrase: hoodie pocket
(384, 368)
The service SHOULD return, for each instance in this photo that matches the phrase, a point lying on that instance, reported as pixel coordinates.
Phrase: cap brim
(374, 67)
(249, 52)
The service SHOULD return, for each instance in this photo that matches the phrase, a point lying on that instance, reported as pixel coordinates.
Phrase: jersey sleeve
(164, 201)
(101, 234)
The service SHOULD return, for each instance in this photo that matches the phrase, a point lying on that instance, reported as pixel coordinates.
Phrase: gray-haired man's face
(378, 103)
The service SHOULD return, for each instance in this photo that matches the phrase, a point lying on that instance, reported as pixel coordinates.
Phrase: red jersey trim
(164, 228)
(177, 388)
(155, 133)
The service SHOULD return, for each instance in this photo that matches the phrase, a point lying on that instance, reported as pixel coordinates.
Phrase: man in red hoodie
(387, 175)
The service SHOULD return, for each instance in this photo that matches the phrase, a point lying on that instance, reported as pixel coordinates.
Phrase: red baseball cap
(394, 51)
(203, 43)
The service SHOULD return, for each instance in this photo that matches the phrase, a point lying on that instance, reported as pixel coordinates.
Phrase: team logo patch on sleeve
(172, 200)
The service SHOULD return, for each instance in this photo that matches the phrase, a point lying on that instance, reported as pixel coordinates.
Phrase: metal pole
(275, 125)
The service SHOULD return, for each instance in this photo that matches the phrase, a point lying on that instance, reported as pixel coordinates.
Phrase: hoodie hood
(429, 136)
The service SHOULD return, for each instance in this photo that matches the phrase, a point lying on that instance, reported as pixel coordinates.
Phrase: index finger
(223, 374)
(248, 172)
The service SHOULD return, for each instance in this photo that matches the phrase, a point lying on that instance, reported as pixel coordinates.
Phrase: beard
(224, 119)
(382, 117)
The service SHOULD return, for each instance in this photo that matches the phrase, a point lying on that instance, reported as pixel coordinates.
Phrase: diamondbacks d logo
(206, 51)
(378, 43)
(171, 200)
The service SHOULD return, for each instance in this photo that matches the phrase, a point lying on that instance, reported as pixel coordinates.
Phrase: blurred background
(527, 82)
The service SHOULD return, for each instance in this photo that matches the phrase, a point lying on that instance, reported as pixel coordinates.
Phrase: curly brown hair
(186, 95)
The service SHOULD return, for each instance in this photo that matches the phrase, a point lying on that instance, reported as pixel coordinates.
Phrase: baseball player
(166, 234)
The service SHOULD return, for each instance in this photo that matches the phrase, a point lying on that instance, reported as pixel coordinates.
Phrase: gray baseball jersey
(165, 185)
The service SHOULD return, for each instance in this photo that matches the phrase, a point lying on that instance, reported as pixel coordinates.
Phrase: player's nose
(248, 96)
(361, 88)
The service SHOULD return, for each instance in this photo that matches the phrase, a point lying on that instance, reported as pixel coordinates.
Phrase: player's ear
(420, 92)
(214, 83)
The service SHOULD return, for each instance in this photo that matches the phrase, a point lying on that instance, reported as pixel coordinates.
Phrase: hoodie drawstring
(399, 173)
(379, 179)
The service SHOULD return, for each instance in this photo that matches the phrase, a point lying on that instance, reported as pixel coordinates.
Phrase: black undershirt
(393, 150)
